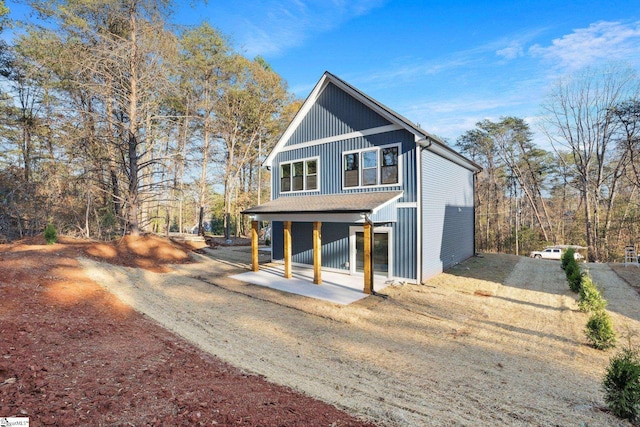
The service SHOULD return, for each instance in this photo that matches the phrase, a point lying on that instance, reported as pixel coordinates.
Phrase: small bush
(590, 298)
(567, 256)
(574, 276)
(600, 331)
(50, 234)
(621, 384)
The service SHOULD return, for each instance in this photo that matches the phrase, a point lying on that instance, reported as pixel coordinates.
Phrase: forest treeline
(114, 120)
(583, 190)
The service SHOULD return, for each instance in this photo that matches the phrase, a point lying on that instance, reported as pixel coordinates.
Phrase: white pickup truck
(553, 252)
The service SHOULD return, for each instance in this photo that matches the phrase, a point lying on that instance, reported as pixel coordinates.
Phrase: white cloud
(512, 51)
(271, 27)
(601, 41)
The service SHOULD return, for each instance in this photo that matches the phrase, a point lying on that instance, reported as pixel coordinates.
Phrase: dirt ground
(73, 354)
(498, 340)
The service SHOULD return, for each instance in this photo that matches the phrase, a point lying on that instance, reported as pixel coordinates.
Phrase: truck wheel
(538, 256)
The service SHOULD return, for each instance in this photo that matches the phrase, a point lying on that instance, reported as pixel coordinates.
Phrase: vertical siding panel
(404, 246)
(447, 214)
(335, 112)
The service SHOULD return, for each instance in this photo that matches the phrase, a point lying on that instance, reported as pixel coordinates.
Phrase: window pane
(351, 170)
(389, 174)
(285, 184)
(369, 176)
(390, 156)
(311, 167)
(285, 171)
(351, 162)
(297, 183)
(369, 159)
(312, 182)
(351, 178)
(298, 169)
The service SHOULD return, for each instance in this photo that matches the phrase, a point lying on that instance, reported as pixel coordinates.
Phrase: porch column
(254, 246)
(368, 264)
(287, 249)
(317, 253)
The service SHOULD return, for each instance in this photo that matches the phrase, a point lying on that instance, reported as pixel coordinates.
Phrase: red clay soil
(73, 354)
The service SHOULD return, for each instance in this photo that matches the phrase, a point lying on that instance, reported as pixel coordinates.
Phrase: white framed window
(376, 166)
(300, 175)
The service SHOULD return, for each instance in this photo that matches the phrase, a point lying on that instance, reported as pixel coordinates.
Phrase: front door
(381, 250)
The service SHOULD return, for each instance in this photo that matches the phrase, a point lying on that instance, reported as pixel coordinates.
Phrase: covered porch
(365, 209)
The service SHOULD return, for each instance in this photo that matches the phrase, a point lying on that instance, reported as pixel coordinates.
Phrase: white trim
(341, 137)
(378, 149)
(326, 78)
(352, 248)
(418, 168)
(377, 208)
(447, 153)
(407, 205)
(304, 175)
(311, 217)
(384, 111)
(297, 119)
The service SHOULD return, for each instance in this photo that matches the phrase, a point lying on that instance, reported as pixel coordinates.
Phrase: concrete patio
(339, 288)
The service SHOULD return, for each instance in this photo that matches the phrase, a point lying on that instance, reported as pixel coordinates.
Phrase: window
(301, 175)
(285, 177)
(372, 166)
(389, 169)
(351, 170)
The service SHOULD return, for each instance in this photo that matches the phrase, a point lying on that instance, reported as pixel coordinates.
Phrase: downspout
(367, 219)
(475, 175)
(423, 144)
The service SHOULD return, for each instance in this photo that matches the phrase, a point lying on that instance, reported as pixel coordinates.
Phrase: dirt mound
(73, 354)
(149, 252)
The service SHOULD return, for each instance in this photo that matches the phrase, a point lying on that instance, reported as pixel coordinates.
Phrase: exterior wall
(330, 164)
(405, 246)
(335, 112)
(447, 214)
(335, 243)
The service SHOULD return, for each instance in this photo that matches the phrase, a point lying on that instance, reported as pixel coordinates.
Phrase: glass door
(380, 252)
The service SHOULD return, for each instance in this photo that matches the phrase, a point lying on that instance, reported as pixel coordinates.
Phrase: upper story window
(299, 175)
(372, 166)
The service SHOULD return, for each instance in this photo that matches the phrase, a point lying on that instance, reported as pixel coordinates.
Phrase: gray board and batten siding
(337, 113)
(429, 232)
(447, 214)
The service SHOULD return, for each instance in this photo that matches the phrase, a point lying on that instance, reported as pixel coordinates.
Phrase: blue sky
(442, 64)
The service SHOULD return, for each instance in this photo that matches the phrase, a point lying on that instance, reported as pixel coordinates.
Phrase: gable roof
(381, 109)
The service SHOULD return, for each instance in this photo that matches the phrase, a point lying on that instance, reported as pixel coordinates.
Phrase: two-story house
(360, 189)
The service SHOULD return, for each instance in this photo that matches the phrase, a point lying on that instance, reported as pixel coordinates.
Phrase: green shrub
(600, 331)
(590, 298)
(50, 234)
(621, 384)
(574, 276)
(567, 256)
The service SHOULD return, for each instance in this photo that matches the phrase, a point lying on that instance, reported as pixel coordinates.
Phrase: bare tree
(576, 118)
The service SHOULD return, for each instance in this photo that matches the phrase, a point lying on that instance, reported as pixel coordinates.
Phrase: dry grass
(497, 340)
